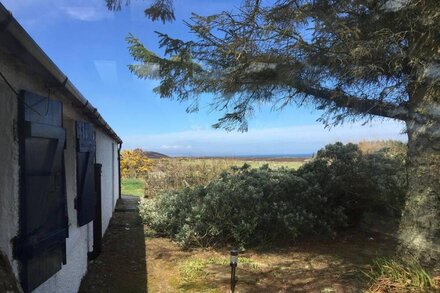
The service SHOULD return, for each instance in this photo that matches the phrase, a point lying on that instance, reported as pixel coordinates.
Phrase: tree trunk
(419, 233)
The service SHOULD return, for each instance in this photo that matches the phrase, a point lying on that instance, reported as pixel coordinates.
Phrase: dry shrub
(178, 173)
(391, 146)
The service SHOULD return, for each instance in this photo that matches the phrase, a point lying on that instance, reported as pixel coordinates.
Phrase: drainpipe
(119, 168)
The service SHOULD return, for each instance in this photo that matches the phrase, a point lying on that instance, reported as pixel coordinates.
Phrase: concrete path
(121, 267)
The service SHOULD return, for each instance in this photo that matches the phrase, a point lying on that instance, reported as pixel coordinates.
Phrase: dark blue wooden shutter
(85, 160)
(41, 245)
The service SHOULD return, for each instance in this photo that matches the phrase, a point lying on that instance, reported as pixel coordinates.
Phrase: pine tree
(354, 59)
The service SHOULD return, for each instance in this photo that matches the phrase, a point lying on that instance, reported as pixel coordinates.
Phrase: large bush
(358, 182)
(244, 206)
(248, 206)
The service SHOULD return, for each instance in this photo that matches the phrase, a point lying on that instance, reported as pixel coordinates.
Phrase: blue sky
(88, 43)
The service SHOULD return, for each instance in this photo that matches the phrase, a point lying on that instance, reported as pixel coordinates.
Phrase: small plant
(388, 275)
(194, 268)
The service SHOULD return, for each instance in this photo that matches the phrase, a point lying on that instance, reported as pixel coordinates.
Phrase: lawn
(132, 186)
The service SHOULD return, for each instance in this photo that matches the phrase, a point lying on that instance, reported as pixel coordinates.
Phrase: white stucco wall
(106, 154)
(80, 240)
(9, 172)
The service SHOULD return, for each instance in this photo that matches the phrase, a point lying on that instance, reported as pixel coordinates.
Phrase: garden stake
(234, 260)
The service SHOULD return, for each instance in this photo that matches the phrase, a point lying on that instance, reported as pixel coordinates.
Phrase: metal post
(233, 280)
(233, 264)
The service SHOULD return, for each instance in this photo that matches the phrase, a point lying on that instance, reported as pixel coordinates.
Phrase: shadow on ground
(308, 266)
(121, 267)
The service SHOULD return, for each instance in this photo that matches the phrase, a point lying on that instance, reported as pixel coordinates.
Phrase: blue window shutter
(85, 160)
(41, 244)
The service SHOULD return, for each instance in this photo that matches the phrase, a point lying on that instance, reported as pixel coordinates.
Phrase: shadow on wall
(121, 267)
(8, 282)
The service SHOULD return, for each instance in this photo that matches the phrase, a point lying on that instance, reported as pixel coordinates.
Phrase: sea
(259, 156)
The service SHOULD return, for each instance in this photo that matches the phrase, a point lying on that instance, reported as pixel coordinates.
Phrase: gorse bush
(134, 163)
(247, 206)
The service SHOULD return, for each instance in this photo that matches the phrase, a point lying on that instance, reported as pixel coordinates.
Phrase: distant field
(227, 162)
(175, 173)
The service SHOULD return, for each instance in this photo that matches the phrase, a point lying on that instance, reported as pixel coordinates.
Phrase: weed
(388, 275)
(192, 269)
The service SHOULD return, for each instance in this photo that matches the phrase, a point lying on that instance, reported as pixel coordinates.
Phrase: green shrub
(358, 182)
(244, 206)
(249, 206)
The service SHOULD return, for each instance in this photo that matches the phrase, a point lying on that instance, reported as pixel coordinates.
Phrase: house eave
(9, 25)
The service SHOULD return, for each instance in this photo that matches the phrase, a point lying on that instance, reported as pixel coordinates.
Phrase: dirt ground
(308, 266)
(330, 266)
(121, 267)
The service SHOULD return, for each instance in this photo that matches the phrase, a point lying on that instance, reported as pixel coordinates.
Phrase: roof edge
(12, 26)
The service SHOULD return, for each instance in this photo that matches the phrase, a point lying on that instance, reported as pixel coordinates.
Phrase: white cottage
(59, 169)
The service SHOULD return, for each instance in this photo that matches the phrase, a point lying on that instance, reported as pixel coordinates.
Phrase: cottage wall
(80, 241)
(8, 172)
(107, 154)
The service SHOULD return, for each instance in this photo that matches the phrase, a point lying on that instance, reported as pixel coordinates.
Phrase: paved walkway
(121, 267)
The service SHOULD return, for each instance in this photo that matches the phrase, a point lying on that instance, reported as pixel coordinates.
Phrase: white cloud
(50, 11)
(175, 147)
(283, 140)
(86, 13)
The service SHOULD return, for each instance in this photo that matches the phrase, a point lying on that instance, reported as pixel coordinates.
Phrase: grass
(196, 267)
(133, 186)
(389, 275)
